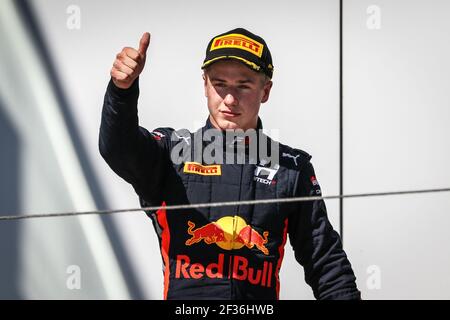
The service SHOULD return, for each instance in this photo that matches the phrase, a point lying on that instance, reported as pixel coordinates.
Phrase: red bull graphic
(229, 233)
(250, 238)
(210, 233)
(239, 270)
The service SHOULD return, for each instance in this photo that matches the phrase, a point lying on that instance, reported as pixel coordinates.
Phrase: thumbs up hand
(129, 63)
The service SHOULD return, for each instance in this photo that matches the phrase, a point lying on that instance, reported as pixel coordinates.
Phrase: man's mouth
(230, 114)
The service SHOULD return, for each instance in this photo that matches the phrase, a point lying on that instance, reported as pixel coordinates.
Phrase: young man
(233, 251)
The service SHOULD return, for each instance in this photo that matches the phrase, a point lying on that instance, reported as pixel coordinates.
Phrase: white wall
(397, 112)
(49, 179)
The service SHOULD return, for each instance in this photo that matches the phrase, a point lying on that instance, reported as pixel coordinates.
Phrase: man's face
(234, 94)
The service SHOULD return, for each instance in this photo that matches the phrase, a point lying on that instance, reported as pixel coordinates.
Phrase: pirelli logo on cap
(239, 41)
(197, 168)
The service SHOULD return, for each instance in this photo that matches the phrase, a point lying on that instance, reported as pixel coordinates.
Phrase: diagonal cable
(221, 204)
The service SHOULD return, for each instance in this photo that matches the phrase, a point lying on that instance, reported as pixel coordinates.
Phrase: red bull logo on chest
(229, 233)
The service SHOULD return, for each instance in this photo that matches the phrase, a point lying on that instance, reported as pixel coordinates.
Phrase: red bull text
(239, 270)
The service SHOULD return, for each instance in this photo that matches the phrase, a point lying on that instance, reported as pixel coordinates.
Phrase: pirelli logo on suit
(239, 41)
(197, 168)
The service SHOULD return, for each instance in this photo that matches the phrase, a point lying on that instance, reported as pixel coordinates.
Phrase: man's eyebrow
(217, 79)
(246, 81)
(239, 81)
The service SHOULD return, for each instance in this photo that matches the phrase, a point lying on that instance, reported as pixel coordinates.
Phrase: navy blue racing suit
(225, 252)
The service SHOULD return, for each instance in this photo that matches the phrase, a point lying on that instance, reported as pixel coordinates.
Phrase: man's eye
(219, 84)
(244, 87)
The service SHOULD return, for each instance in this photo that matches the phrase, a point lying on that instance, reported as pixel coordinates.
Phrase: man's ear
(267, 88)
(205, 83)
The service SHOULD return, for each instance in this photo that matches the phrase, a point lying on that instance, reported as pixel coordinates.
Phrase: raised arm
(130, 150)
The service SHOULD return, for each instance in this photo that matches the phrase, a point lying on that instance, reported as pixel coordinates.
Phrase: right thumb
(144, 43)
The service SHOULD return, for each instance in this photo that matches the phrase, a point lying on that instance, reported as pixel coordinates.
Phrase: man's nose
(230, 100)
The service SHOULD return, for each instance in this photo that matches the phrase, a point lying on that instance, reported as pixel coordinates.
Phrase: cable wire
(219, 204)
